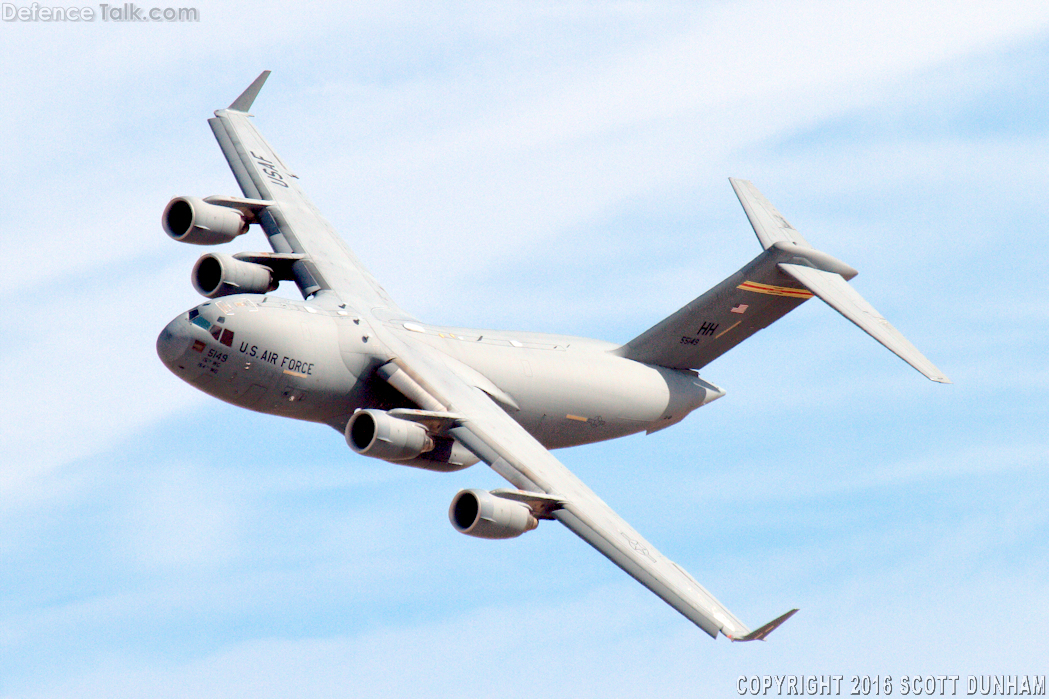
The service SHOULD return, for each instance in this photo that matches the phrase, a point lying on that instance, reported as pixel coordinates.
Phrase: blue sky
(557, 167)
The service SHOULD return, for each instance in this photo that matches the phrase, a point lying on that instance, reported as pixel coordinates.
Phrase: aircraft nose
(173, 342)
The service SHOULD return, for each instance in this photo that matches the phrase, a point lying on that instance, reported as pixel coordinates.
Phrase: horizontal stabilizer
(762, 633)
(833, 289)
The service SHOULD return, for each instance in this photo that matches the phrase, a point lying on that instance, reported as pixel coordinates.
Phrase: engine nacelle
(374, 433)
(486, 516)
(193, 220)
(217, 274)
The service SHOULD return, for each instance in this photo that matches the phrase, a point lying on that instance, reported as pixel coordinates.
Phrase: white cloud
(599, 646)
(88, 373)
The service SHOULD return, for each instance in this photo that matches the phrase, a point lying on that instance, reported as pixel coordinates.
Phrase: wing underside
(499, 441)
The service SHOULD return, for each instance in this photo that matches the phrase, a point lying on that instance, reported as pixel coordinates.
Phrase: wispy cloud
(568, 160)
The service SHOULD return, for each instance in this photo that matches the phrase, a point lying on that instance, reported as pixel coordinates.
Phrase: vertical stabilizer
(766, 220)
(777, 281)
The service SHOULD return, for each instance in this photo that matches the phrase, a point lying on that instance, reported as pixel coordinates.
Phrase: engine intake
(217, 274)
(193, 220)
(486, 516)
(374, 433)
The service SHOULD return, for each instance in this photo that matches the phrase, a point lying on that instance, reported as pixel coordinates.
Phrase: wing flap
(638, 559)
(833, 289)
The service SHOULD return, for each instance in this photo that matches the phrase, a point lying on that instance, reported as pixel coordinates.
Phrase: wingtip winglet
(247, 98)
(762, 633)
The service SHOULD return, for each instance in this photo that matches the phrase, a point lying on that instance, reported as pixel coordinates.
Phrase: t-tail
(789, 272)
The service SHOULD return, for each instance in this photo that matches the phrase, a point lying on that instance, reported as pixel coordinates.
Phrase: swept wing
(327, 268)
(292, 223)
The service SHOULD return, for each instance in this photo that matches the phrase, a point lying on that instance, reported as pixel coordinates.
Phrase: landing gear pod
(193, 220)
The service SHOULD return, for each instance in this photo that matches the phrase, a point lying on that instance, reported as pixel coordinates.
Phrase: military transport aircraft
(443, 398)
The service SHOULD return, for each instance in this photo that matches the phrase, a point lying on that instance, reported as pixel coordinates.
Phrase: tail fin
(767, 222)
(785, 275)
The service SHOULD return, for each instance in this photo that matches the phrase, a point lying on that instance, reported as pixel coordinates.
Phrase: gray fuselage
(304, 360)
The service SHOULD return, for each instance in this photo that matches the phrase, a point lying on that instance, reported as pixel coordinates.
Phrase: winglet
(244, 102)
(764, 631)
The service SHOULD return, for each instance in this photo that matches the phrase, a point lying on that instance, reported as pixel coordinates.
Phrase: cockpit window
(214, 329)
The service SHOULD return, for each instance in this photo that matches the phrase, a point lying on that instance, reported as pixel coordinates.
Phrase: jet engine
(380, 435)
(193, 220)
(217, 274)
(374, 433)
(486, 516)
